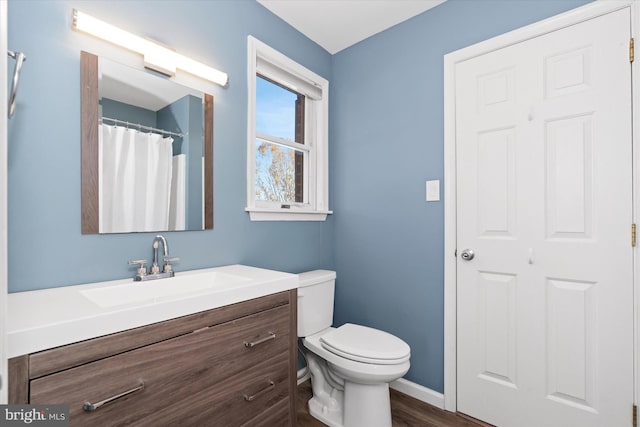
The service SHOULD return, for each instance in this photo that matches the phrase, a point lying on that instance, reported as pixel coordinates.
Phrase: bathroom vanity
(231, 365)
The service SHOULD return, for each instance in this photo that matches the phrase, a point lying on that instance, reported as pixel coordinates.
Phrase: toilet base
(330, 416)
(367, 405)
(341, 403)
(327, 401)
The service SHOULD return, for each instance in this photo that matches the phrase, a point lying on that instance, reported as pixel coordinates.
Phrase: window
(287, 138)
(280, 150)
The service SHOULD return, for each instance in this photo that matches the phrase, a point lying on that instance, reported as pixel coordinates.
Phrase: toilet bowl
(351, 366)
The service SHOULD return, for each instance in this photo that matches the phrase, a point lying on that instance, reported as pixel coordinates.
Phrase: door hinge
(633, 235)
(634, 415)
(631, 50)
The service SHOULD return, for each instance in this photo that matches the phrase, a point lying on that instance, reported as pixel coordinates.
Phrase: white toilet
(351, 366)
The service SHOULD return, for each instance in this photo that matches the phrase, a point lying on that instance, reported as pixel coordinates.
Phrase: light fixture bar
(157, 57)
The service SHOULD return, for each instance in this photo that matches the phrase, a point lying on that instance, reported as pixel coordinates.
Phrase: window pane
(275, 110)
(278, 173)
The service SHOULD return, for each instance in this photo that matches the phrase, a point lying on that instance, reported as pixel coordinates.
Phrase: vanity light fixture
(156, 56)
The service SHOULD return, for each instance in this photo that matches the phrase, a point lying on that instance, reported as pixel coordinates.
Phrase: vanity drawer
(275, 416)
(184, 378)
(235, 401)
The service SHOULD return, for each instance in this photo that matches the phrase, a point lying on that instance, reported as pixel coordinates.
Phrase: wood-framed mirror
(147, 151)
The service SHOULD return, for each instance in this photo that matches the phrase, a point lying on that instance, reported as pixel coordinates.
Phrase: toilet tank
(315, 301)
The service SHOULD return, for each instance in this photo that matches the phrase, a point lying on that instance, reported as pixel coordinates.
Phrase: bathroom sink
(47, 318)
(163, 289)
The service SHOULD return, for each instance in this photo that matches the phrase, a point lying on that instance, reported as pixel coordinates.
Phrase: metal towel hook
(20, 58)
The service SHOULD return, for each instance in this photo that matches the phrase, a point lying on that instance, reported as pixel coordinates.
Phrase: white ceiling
(338, 24)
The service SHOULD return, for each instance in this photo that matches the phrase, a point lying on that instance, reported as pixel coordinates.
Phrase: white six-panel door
(544, 200)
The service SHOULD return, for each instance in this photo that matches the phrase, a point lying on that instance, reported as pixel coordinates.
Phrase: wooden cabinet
(231, 366)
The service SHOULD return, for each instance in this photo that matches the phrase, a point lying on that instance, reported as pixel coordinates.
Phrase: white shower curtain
(135, 180)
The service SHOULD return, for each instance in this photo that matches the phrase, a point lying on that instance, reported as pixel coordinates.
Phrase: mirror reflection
(151, 156)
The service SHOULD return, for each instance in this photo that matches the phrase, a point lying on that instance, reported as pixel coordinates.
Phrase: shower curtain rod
(140, 127)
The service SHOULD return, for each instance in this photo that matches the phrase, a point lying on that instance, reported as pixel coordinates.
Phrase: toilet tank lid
(316, 276)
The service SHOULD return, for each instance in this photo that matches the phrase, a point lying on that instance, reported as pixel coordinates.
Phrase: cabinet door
(203, 375)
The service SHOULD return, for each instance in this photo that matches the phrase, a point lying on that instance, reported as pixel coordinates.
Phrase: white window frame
(289, 73)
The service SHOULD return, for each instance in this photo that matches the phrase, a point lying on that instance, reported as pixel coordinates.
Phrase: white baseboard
(419, 392)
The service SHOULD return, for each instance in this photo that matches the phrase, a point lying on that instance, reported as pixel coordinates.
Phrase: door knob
(467, 254)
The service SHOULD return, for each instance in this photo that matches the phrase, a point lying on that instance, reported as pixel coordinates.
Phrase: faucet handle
(142, 271)
(167, 263)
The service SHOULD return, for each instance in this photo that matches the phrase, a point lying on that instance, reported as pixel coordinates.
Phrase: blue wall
(175, 118)
(387, 133)
(121, 111)
(386, 139)
(186, 115)
(46, 248)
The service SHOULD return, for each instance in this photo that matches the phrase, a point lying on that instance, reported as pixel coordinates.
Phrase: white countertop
(44, 319)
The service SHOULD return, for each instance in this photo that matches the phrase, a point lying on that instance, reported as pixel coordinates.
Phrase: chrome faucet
(154, 271)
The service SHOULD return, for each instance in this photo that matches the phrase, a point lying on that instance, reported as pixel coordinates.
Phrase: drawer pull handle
(90, 407)
(270, 387)
(272, 336)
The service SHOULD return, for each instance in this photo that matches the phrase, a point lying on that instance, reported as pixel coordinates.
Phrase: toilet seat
(367, 345)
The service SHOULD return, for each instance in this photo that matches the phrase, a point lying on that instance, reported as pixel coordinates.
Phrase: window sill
(286, 215)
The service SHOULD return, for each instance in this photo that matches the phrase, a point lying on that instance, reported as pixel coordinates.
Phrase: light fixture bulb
(156, 57)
